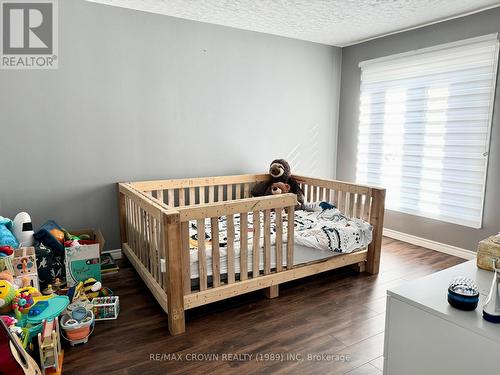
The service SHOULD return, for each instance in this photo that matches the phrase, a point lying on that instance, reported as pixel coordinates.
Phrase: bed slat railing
(352, 200)
(142, 238)
(188, 192)
(262, 228)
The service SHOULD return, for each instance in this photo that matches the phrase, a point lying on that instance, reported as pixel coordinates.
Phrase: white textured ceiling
(334, 22)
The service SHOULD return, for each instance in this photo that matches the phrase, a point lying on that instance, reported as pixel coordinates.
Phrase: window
(424, 128)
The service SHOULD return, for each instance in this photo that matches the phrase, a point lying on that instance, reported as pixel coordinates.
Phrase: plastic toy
(6, 236)
(71, 237)
(30, 289)
(58, 234)
(38, 308)
(105, 292)
(6, 250)
(21, 303)
(56, 306)
(23, 229)
(92, 287)
(106, 308)
(76, 293)
(49, 344)
(48, 291)
(7, 294)
(25, 298)
(24, 264)
(11, 324)
(77, 327)
(87, 305)
(57, 284)
(8, 320)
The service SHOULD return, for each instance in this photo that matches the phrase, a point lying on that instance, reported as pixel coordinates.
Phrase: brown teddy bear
(278, 188)
(279, 172)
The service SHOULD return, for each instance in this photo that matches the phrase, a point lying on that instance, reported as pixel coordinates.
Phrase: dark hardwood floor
(339, 313)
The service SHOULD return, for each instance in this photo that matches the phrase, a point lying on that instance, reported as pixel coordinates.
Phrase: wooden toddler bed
(154, 226)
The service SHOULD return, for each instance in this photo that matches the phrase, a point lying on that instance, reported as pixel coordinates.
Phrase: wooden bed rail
(199, 181)
(243, 207)
(363, 202)
(143, 239)
(191, 191)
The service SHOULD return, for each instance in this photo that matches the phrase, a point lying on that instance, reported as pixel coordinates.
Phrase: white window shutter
(424, 128)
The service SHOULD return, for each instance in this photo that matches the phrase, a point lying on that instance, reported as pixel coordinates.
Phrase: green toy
(70, 237)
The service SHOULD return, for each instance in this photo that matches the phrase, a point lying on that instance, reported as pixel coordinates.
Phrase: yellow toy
(29, 289)
(7, 294)
(91, 287)
(48, 291)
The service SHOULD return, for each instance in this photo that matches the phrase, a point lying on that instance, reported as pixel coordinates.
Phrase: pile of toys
(50, 287)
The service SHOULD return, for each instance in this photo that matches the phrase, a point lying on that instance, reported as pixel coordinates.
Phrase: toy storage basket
(106, 308)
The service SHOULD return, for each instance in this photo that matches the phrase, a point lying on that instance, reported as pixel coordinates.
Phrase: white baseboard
(116, 253)
(429, 244)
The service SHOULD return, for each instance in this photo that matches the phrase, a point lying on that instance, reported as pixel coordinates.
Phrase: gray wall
(143, 96)
(462, 28)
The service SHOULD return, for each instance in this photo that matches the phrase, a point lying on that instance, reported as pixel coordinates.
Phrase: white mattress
(302, 254)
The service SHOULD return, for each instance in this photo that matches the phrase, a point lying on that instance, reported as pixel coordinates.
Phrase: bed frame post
(377, 221)
(123, 219)
(174, 288)
(272, 291)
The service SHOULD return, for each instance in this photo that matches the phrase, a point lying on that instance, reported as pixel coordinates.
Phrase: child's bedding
(321, 226)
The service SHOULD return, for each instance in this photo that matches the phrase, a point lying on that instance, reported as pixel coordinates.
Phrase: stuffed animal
(23, 229)
(71, 237)
(278, 188)
(92, 287)
(6, 236)
(279, 171)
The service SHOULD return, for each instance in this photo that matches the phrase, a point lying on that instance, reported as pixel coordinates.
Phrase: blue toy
(38, 308)
(6, 236)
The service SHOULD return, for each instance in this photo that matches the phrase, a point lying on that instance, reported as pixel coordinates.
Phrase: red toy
(7, 250)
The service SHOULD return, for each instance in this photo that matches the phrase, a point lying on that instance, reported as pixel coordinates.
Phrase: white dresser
(425, 335)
